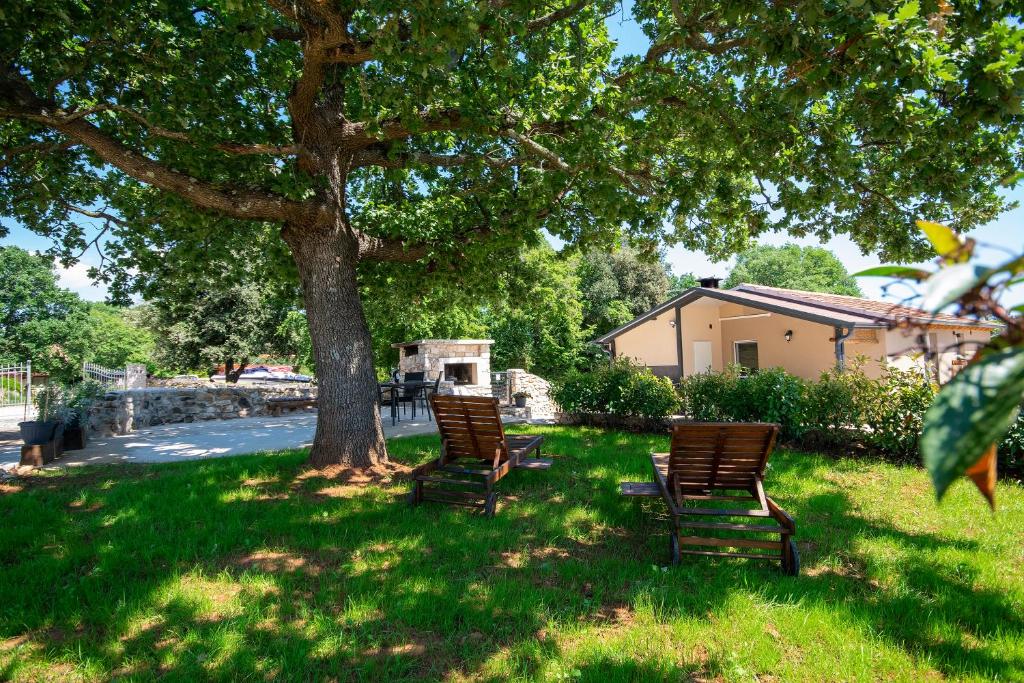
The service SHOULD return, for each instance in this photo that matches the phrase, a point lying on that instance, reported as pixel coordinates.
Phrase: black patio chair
(410, 394)
(429, 391)
(386, 397)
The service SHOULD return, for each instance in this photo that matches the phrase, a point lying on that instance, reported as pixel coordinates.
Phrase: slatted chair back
(722, 455)
(470, 427)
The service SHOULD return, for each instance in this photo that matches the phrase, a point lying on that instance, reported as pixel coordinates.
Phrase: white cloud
(76, 278)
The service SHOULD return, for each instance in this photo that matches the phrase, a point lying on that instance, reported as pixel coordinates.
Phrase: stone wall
(540, 404)
(122, 412)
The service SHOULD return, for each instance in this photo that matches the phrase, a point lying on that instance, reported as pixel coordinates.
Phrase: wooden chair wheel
(673, 548)
(791, 561)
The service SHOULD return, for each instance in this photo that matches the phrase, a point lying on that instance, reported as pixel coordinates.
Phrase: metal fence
(16, 384)
(108, 377)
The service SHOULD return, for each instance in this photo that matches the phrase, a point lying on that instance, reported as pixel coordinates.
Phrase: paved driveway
(199, 440)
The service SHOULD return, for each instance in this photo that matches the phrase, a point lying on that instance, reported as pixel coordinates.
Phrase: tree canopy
(812, 269)
(216, 326)
(39, 320)
(619, 285)
(445, 135)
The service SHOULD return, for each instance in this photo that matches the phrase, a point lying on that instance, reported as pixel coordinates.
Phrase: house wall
(700, 323)
(906, 352)
(807, 355)
(811, 351)
(652, 343)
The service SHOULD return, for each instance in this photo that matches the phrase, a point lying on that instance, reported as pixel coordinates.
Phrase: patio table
(396, 387)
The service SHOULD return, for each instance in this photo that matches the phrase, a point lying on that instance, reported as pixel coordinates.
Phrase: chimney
(709, 282)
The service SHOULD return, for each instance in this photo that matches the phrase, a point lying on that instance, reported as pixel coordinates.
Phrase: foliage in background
(39, 321)
(618, 388)
(293, 335)
(980, 406)
(677, 284)
(119, 337)
(213, 327)
(538, 324)
(55, 329)
(619, 285)
(812, 269)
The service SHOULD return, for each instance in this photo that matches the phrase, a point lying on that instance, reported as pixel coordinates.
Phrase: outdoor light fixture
(789, 335)
(672, 323)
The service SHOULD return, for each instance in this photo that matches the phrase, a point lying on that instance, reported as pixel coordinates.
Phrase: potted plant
(520, 398)
(80, 401)
(51, 408)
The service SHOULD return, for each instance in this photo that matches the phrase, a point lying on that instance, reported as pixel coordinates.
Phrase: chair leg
(416, 495)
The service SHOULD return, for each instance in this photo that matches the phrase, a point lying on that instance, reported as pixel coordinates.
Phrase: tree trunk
(231, 372)
(348, 429)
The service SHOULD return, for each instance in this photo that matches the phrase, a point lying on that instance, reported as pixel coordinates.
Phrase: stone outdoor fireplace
(465, 364)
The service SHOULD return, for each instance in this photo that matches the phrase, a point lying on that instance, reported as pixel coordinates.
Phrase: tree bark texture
(348, 428)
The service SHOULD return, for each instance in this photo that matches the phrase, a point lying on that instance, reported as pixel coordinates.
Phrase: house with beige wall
(705, 329)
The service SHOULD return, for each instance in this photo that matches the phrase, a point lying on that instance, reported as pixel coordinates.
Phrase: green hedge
(618, 388)
(837, 411)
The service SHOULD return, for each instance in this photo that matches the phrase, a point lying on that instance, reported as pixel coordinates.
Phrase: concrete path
(200, 440)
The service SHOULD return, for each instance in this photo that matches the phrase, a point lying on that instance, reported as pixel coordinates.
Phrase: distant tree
(118, 337)
(230, 326)
(293, 334)
(39, 321)
(539, 324)
(812, 269)
(677, 284)
(618, 286)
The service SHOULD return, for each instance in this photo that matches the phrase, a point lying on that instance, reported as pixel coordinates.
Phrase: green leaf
(908, 11)
(1012, 179)
(943, 239)
(950, 283)
(894, 271)
(973, 411)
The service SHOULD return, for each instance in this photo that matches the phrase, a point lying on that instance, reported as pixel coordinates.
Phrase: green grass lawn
(247, 569)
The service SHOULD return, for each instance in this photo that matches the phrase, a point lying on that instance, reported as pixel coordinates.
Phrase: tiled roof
(879, 310)
(826, 309)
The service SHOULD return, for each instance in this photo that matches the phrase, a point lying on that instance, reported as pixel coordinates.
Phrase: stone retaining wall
(540, 403)
(122, 412)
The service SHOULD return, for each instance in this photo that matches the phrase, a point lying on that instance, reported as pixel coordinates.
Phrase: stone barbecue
(465, 364)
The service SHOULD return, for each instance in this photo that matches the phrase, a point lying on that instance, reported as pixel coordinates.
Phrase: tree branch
(47, 147)
(379, 157)
(18, 101)
(556, 15)
(236, 148)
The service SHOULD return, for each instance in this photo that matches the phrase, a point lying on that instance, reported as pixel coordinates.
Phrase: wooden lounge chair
(475, 454)
(710, 463)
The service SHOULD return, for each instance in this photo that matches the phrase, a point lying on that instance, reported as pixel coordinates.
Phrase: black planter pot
(35, 432)
(520, 401)
(75, 437)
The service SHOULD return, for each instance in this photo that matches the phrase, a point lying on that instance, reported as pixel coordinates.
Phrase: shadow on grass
(236, 568)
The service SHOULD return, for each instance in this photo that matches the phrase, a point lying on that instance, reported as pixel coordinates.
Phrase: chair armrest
(781, 516)
(663, 485)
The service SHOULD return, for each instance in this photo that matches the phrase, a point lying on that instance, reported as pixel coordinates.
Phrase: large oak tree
(443, 135)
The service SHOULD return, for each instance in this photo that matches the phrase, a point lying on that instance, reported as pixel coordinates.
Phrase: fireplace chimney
(709, 282)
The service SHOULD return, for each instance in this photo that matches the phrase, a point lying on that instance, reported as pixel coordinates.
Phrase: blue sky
(1006, 234)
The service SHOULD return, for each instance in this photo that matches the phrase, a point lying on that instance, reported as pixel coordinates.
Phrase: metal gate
(108, 377)
(16, 384)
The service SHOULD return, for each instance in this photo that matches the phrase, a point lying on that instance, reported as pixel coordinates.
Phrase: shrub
(894, 408)
(839, 409)
(619, 388)
(770, 395)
